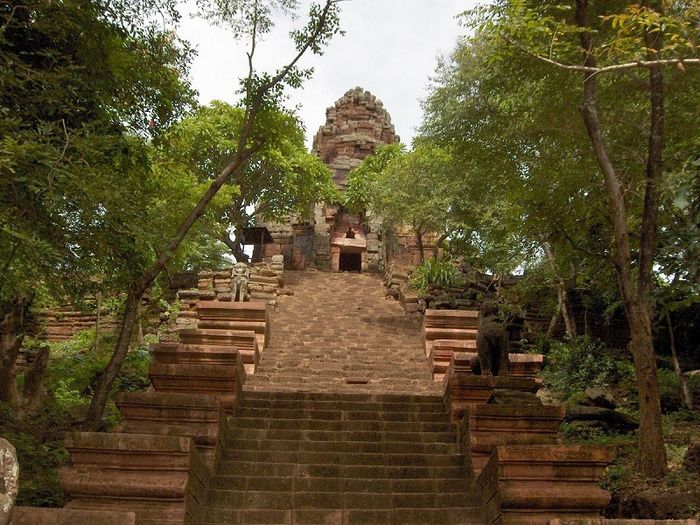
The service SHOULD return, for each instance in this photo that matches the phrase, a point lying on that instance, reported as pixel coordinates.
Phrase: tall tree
(281, 179)
(81, 90)
(262, 94)
(622, 42)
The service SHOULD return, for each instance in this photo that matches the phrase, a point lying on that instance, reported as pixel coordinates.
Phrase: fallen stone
(598, 397)
(611, 418)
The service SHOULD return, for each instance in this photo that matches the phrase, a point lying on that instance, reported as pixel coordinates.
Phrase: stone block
(494, 425)
(525, 365)
(234, 311)
(441, 354)
(173, 414)
(45, 516)
(162, 479)
(451, 318)
(224, 381)
(465, 390)
(541, 482)
(242, 340)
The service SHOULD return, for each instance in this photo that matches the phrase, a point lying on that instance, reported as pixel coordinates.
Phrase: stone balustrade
(448, 324)
(531, 484)
(244, 341)
(521, 365)
(197, 416)
(158, 465)
(163, 479)
(250, 315)
(491, 426)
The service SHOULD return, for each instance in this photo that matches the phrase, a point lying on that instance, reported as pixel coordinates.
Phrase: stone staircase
(324, 458)
(338, 333)
(341, 422)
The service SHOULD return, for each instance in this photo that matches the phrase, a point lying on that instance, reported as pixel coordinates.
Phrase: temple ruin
(335, 239)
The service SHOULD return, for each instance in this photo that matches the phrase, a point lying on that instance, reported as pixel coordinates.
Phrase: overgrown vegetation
(433, 272)
(72, 372)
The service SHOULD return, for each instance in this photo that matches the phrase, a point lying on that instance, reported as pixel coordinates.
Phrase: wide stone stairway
(325, 411)
(341, 459)
(338, 333)
(330, 429)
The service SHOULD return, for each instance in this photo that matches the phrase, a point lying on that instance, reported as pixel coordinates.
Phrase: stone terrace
(337, 333)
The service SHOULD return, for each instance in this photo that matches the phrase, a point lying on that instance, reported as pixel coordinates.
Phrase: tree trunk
(652, 453)
(34, 392)
(139, 286)
(553, 320)
(419, 244)
(563, 304)
(687, 397)
(438, 244)
(98, 303)
(93, 417)
(244, 150)
(11, 337)
(139, 324)
(236, 246)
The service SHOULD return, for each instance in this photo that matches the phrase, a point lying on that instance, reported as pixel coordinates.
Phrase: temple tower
(336, 239)
(355, 126)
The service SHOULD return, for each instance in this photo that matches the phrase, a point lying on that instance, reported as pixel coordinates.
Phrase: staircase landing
(338, 333)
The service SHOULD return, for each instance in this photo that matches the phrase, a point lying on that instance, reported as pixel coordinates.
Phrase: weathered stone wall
(215, 285)
(354, 127)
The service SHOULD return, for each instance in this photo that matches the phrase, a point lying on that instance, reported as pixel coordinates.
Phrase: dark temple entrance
(350, 262)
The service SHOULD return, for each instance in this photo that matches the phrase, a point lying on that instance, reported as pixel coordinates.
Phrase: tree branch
(594, 70)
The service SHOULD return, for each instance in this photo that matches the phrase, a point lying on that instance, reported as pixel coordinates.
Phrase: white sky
(390, 48)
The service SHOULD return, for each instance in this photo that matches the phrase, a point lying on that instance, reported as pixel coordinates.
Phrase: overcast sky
(390, 48)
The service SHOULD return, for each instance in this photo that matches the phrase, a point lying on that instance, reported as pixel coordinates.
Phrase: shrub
(433, 272)
(576, 364)
(671, 392)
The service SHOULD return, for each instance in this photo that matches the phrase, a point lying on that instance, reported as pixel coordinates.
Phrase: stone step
(153, 476)
(234, 311)
(275, 499)
(316, 435)
(377, 462)
(340, 484)
(376, 426)
(219, 380)
(302, 465)
(46, 516)
(241, 339)
(451, 318)
(433, 405)
(405, 516)
(179, 353)
(338, 415)
(295, 445)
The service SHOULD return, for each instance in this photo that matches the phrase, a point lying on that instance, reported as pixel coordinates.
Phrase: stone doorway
(350, 262)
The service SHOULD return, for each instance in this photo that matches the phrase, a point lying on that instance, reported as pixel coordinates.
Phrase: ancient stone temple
(335, 239)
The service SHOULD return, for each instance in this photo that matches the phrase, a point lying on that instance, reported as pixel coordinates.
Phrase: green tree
(278, 180)
(262, 94)
(414, 188)
(82, 88)
(543, 148)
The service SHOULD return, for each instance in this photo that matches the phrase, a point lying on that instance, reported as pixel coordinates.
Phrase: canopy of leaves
(280, 179)
(81, 91)
(512, 123)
